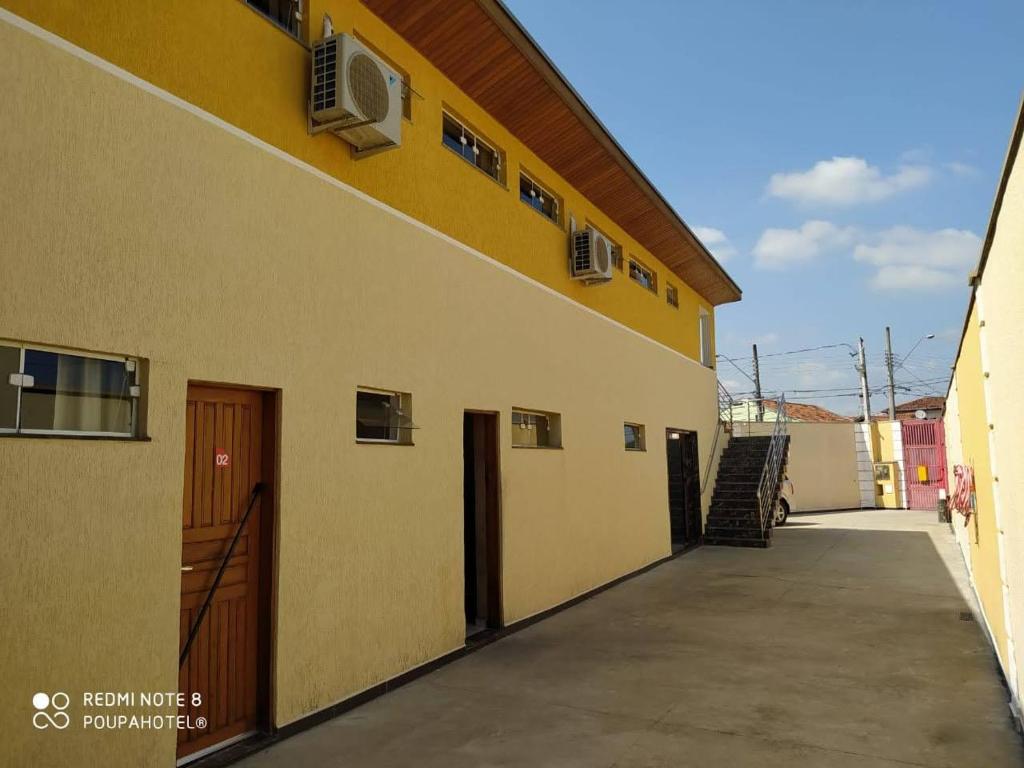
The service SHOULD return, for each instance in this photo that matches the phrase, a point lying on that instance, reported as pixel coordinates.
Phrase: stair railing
(725, 406)
(770, 475)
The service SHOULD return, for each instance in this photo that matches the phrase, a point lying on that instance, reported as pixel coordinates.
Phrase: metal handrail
(725, 403)
(770, 475)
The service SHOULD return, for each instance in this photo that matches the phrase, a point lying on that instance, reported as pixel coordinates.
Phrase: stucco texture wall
(822, 464)
(1002, 309)
(229, 60)
(974, 452)
(132, 226)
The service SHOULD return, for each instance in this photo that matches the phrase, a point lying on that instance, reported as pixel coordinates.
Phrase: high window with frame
(672, 295)
(704, 326)
(283, 13)
(538, 198)
(44, 391)
(471, 148)
(635, 437)
(643, 275)
(383, 416)
(536, 429)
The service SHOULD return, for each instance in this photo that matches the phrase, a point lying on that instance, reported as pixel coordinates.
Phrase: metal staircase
(747, 487)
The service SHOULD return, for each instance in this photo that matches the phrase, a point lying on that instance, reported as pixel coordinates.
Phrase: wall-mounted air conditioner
(355, 95)
(590, 257)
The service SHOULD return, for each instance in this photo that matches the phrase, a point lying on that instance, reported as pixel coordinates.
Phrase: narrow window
(470, 147)
(284, 13)
(617, 257)
(538, 198)
(704, 322)
(635, 437)
(643, 275)
(383, 416)
(536, 429)
(672, 295)
(50, 392)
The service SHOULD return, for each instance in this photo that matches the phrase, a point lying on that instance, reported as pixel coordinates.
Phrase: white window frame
(132, 434)
(541, 189)
(670, 292)
(554, 421)
(479, 140)
(704, 329)
(404, 403)
(641, 267)
(641, 434)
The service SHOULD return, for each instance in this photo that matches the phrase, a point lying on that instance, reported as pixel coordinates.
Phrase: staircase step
(751, 543)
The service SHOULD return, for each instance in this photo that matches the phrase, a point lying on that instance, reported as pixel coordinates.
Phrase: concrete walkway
(842, 646)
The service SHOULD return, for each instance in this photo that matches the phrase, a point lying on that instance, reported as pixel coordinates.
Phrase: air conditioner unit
(590, 257)
(355, 95)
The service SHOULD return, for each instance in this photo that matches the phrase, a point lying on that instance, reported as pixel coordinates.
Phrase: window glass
(705, 338)
(643, 275)
(672, 295)
(76, 394)
(470, 147)
(634, 434)
(282, 12)
(536, 429)
(377, 415)
(10, 363)
(538, 198)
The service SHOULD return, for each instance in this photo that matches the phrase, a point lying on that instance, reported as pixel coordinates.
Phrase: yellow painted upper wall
(227, 59)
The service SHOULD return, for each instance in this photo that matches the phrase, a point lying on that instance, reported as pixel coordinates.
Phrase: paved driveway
(842, 646)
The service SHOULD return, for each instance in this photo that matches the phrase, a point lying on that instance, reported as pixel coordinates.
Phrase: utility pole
(892, 384)
(757, 388)
(863, 368)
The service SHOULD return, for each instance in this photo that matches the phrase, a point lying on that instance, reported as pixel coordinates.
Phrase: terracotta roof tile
(808, 412)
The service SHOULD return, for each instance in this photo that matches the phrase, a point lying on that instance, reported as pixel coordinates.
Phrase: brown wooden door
(223, 460)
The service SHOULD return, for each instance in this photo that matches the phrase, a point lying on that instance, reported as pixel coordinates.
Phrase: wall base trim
(235, 752)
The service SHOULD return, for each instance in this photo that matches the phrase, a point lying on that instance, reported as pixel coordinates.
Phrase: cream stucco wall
(1000, 306)
(822, 464)
(134, 226)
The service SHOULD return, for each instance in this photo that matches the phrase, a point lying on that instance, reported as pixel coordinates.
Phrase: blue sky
(840, 157)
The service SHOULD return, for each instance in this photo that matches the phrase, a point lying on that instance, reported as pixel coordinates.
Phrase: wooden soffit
(480, 47)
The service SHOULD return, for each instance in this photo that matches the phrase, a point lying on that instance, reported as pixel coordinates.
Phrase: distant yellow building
(982, 429)
(324, 290)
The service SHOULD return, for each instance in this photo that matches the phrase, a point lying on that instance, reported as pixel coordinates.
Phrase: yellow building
(982, 431)
(381, 361)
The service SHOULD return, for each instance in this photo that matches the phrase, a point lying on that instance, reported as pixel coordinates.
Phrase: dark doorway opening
(482, 521)
(683, 489)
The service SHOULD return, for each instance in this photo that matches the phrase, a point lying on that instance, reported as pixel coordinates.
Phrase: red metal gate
(924, 461)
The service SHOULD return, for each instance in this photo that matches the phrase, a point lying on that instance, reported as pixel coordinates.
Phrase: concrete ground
(843, 645)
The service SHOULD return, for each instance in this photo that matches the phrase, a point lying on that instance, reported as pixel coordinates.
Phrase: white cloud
(716, 241)
(846, 181)
(781, 248)
(962, 169)
(765, 339)
(910, 277)
(918, 260)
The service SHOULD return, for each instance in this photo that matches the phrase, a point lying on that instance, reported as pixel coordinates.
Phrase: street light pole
(892, 383)
(863, 368)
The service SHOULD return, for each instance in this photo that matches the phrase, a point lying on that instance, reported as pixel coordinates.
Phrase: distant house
(931, 406)
(746, 410)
